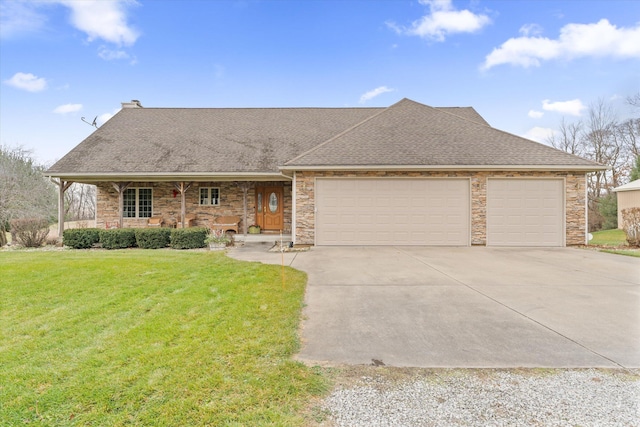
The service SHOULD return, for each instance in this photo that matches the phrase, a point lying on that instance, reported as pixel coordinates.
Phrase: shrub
(608, 208)
(631, 225)
(220, 237)
(118, 238)
(188, 238)
(80, 238)
(30, 232)
(153, 238)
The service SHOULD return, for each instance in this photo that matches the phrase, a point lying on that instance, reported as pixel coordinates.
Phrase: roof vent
(133, 104)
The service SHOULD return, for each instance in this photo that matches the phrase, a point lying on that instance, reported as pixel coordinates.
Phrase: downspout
(586, 210)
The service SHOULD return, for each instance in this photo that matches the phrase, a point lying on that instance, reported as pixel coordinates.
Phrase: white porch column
(182, 188)
(63, 186)
(120, 187)
(293, 208)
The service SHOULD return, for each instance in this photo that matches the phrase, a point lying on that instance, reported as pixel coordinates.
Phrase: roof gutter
(421, 168)
(163, 177)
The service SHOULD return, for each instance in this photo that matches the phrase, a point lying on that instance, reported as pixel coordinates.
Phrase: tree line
(25, 193)
(604, 138)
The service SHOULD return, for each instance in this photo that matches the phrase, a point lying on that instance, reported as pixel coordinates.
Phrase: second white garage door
(392, 212)
(525, 212)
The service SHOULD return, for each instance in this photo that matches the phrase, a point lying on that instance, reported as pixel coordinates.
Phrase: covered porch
(267, 204)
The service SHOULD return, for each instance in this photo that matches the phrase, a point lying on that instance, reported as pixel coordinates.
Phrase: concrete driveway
(467, 307)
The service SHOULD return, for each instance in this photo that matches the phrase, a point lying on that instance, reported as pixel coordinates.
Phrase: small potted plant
(254, 229)
(218, 239)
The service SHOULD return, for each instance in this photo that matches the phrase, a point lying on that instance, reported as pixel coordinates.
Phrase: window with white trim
(138, 203)
(210, 196)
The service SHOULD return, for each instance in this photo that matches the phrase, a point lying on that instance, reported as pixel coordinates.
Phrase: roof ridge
(441, 109)
(255, 108)
(322, 144)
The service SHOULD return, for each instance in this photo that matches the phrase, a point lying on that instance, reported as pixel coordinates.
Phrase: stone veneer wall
(575, 214)
(168, 206)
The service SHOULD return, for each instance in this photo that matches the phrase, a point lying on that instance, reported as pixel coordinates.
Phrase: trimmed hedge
(144, 238)
(188, 238)
(118, 238)
(80, 238)
(153, 238)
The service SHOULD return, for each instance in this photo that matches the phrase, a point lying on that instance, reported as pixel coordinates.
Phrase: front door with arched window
(269, 208)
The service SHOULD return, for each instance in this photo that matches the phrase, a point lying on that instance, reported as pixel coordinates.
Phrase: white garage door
(525, 212)
(392, 212)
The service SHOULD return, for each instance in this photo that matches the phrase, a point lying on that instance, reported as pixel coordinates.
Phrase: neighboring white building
(628, 197)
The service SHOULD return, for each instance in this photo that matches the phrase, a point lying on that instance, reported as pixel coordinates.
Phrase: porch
(267, 204)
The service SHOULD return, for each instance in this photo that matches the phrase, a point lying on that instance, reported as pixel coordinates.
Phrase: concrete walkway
(467, 307)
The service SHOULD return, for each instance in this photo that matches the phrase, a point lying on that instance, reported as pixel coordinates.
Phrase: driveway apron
(467, 307)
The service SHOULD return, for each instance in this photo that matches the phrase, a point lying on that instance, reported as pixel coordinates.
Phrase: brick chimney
(133, 104)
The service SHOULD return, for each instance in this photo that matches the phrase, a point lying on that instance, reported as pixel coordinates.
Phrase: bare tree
(24, 191)
(568, 138)
(80, 202)
(601, 145)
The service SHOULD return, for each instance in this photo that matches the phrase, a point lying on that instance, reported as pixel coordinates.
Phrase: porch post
(245, 189)
(120, 188)
(182, 188)
(62, 187)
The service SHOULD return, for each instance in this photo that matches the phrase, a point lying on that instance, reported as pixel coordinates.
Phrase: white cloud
(531, 30)
(539, 134)
(110, 55)
(373, 93)
(575, 41)
(442, 21)
(572, 108)
(101, 19)
(68, 108)
(18, 18)
(28, 82)
(535, 114)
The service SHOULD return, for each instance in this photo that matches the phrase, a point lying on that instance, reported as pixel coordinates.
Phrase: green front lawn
(153, 338)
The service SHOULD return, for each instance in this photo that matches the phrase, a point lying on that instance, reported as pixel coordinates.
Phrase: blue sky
(524, 65)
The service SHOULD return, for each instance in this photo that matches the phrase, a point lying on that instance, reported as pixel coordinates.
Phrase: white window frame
(210, 200)
(137, 202)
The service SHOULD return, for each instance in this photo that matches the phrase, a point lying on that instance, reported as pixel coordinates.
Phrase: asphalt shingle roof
(260, 140)
(409, 133)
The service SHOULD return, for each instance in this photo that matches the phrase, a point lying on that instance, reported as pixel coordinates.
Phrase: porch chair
(226, 223)
(189, 219)
(155, 221)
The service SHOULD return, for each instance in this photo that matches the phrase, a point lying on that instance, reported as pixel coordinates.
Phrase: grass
(627, 252)
(613, 237)
(154, 338)
(613, 242)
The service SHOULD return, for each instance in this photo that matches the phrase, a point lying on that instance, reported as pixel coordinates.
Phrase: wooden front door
(269, 208)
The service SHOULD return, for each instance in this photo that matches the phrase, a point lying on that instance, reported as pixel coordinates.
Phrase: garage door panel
(392, 211)
(525, 212)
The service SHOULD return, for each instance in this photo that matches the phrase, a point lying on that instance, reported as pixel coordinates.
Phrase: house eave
(423, 168)
(163, 177)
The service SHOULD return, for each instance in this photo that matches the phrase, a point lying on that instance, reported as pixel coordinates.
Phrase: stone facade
(575, 213)
(167, 203)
